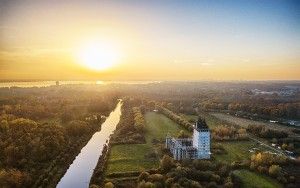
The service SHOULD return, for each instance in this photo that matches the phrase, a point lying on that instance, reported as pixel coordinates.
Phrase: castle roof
(201, 124)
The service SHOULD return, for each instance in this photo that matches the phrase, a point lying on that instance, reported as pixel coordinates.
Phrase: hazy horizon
(149, 40)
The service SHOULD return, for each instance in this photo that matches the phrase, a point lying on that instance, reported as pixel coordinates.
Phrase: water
(52, 83)
(81, 170)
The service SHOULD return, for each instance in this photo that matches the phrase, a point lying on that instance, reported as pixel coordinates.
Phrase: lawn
(130, 157)
(239, 150)
(236, 150)
(254, 180)
(133, 157)
(210, 120)
(158, 126)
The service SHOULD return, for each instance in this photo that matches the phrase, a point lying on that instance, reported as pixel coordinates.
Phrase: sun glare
(98, 56)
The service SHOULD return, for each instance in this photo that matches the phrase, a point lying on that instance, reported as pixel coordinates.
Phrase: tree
(77, 128)
(144, 176)
(274, 170)
(13, 178)
(95, 186)
(109, 185)
(284, 146)
(182, 134)
(167, 163)
(212, 184)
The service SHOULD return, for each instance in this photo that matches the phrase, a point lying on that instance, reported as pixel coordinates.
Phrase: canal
(81, 170)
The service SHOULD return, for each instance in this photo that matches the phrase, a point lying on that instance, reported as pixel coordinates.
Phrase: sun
(98, 55)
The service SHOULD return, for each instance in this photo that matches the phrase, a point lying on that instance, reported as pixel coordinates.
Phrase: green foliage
(167, 163)
(274, 170)
(225, 132)
(267, 159)
(182, 134)
(130, 129)
(139, 121)
(94, 186)
(77, 128)
(178, 119)
(13, 178)
(109, 185)
(35, 146)
(263, 132)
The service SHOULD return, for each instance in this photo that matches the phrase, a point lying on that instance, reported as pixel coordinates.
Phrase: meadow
(139, 157)
(254, 180)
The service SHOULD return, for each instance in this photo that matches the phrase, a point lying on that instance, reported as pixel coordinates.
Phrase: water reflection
(80, 172)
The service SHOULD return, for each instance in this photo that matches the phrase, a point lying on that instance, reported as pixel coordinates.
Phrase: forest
(43, 129)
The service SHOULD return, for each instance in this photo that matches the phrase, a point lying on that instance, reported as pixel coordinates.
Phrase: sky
(150, 40)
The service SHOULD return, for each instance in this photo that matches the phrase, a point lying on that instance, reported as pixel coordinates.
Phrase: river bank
(80, 171)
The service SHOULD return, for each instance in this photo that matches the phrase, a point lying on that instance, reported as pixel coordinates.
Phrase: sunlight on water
(53, 83)
(81, 170)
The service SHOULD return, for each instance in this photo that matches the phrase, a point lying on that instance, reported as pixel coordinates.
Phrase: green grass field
(158, 126)
(133, 157)
(254, 180)
(210, 120)
(236, 150)
(130, 157)
(239, 150)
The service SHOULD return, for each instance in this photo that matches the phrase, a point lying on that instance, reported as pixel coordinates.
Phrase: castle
(197, 147)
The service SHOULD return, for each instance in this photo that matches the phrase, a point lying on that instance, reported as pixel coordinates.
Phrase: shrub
(109, 185)
(167, 163)
(144, 176)
(274, 170)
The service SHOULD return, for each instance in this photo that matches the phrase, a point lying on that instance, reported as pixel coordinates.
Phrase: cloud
(200, 61)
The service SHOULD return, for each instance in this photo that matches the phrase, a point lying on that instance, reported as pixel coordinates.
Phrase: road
(241, 122)
(266, 145)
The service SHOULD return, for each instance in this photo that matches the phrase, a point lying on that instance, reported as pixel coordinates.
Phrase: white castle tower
(197, 147)
(201, 139)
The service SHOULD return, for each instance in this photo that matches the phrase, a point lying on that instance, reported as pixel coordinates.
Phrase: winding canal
(81, 170)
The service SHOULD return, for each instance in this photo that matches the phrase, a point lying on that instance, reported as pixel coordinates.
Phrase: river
(81, 170)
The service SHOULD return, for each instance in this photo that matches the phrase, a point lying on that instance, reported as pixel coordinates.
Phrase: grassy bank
(254, 180)
(124, 158)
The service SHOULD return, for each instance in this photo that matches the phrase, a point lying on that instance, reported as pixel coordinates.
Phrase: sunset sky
(149, 40)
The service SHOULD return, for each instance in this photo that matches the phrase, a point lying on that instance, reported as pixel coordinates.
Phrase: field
(245, 122)
(254, 180)
(158, 126)
(238, 150)
(210, 120)
(133, 157)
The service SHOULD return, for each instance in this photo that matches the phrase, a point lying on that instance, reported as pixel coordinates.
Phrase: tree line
(37, 150)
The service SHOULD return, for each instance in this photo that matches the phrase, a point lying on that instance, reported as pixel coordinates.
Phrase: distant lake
(53, 83)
